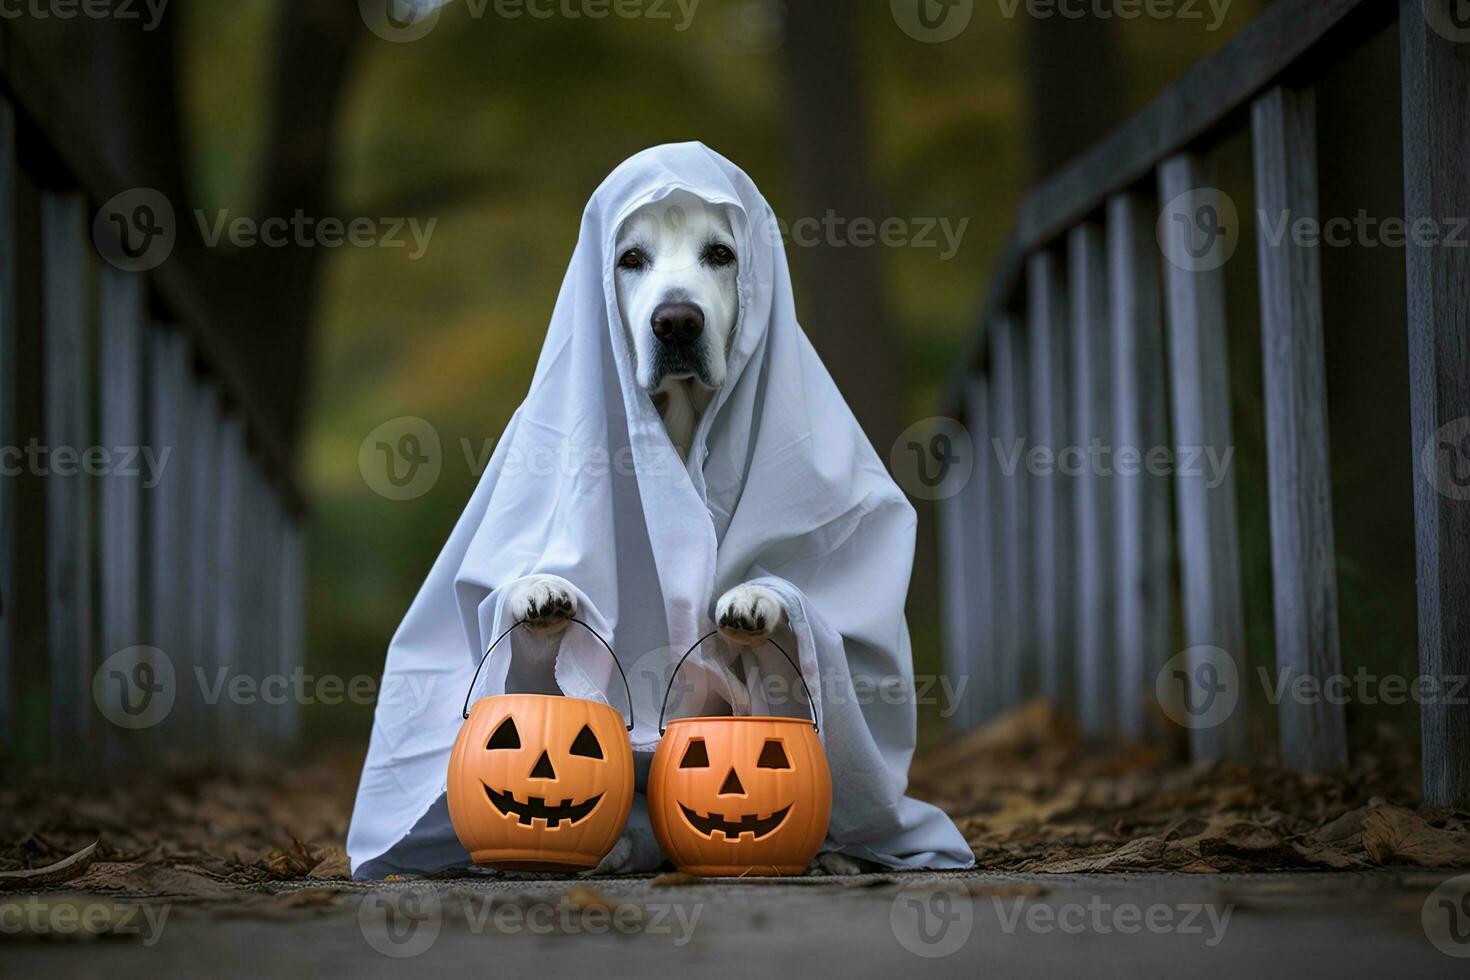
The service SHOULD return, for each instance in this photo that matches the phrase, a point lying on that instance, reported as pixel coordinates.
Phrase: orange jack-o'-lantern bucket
(541, 782)
(739, 795)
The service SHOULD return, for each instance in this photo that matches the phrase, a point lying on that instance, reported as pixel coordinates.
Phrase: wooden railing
(146, 501)
(1090, 331)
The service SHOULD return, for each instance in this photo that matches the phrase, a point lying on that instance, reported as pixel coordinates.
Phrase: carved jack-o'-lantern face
(732, 796)
(539, 782)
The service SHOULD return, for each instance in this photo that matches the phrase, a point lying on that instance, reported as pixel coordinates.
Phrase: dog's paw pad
(748, 614)
(544, 603)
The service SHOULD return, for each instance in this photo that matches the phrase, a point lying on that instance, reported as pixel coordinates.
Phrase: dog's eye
(633, 258)
(718, 254)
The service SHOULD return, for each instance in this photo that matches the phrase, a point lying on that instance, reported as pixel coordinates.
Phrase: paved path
(965, 925)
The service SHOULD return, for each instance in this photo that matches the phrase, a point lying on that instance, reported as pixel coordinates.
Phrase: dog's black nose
(677, 323)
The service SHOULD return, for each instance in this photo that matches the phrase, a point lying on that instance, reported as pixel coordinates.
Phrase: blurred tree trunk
(262, 298)
(841, 297)
(1075, 84)
(277, 288)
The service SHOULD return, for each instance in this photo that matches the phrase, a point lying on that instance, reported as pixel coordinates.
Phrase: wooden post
(170, 584)
(1013, 560)
(954, 541)
(1094, 542)
(1144, 535)
(121, 371)
(229, 605)
(204, 598)
(1046, 307)
(293, 619)
(1209, 546)
(69, 304)
(1436, 94)
(1303, 556)
(979, 508)
(9, 429)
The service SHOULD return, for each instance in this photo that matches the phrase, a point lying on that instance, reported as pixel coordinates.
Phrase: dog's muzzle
(679, 330)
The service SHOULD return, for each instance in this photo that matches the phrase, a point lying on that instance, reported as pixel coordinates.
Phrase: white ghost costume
(780, 488)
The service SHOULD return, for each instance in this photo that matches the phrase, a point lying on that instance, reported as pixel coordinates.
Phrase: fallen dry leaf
(52, 874)
(1393, 835)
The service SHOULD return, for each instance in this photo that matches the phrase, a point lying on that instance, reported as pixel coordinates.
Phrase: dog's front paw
(749, 614)
(545, 603)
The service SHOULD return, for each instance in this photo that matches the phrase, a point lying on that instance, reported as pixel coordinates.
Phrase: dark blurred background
(497, 130)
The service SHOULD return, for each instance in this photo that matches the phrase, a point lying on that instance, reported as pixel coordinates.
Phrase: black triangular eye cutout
(773, 756)
(695, 757)
(586, 744)
(505, 736)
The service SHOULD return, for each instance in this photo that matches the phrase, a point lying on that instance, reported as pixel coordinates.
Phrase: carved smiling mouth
(536, 808)
(732, 829)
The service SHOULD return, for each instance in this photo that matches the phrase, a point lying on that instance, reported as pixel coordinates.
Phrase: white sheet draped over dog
(781, 487)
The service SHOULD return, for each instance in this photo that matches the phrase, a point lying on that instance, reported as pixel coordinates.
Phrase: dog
(675, 267)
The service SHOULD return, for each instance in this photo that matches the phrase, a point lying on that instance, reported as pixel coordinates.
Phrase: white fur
(545, 602)
(749, 614)
(673, 234)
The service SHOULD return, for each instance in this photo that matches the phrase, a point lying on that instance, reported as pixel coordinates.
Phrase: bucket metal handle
(664, 705)
(491, 649)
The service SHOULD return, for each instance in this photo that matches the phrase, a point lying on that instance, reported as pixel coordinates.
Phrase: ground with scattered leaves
(1028, 797)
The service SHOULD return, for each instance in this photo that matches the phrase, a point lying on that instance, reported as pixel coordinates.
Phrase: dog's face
(676, 265)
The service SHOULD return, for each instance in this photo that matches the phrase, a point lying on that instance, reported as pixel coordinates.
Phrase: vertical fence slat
(121, 374)
(229, 538)
(979, 508)
(204, 597)
(954, 540)
(1051, 512)
(9, 430)
(257, 656)
(169, 410)
(1209, 547)
(1141, 423)
(272, 630)
(1436, 99)
(1093, 542)
(293, 618)
(69, 299)
(1009, 490)
(1303, 557)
